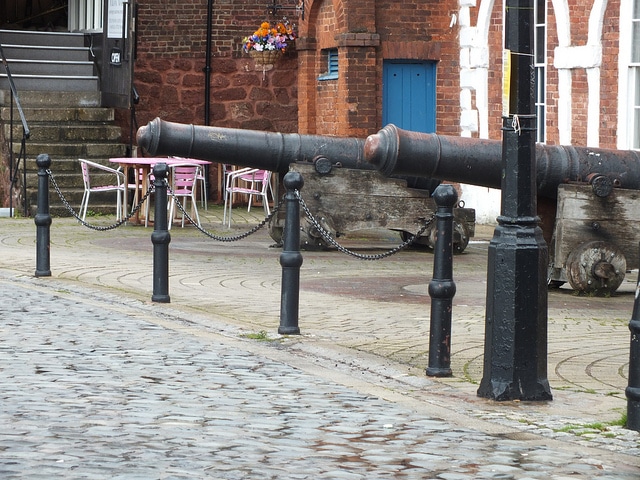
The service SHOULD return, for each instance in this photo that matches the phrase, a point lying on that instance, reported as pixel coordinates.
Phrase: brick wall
(169, 71)
(496, 45)
(170, 78)
(551, 130)
(609, 76)
(580, 12)
(366, 33)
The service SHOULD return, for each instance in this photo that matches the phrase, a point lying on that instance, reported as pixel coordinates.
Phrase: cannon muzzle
(394, 151)
(250, 148)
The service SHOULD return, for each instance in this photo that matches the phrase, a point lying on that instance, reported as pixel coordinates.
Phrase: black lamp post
(515, 353)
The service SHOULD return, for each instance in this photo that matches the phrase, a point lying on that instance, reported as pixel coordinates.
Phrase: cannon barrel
(249, 148)
(394, 151)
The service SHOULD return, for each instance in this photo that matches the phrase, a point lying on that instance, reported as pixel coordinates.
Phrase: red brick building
(424, 65)
(586, 57)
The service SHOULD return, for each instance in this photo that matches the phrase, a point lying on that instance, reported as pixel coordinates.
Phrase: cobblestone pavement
(99, 382)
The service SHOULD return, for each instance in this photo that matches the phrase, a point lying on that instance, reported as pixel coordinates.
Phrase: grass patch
(586, 428)
(261, 336)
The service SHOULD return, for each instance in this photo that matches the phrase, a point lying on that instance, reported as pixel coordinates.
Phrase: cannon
(344, 192)
(588, 198)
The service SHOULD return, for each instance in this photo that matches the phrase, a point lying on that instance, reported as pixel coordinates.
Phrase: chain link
(232, 238)
(88, 225)
(321, 230)
(327, 236)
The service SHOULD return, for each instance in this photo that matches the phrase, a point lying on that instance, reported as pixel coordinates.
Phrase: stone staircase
(59, 95)
(52, 61)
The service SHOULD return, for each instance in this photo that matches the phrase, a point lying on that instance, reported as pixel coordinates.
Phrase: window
(634, 77)
(540, 62)
(331, 55)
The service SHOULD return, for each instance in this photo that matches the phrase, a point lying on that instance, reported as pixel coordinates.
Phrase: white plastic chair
(117, 186)
(229, 175)
(259, 185)
(150, 181)
(183, 188)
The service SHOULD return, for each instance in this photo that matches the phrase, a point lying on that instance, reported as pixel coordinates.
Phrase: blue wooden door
(409, 95)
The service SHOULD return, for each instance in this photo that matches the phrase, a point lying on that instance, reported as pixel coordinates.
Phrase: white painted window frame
(634, 78)
(86, 15)
(541, 74)
(628, 80)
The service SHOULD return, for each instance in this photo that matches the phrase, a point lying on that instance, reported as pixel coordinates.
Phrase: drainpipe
(207, 81)
(207, 68)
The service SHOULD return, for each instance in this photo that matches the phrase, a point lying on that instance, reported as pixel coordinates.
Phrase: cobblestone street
(99, 382)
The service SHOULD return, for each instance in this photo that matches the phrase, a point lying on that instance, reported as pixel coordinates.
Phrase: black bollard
(161, 238)
(291, 258)
(633, 388)
(442, 288)
(43, 219)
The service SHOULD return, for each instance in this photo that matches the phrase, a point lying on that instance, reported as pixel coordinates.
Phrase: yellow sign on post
(506, 81)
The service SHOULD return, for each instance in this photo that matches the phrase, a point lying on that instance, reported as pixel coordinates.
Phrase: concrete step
(33, 37)
(73, 151)
(74, 134)
(61, 115)
(48, 61)
(31, 98)
(46, 52)
(47, 67)
(54, 75)
(65, 165)
(59, 83)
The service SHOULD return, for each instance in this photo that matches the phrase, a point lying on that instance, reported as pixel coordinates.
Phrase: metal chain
(232, 238)
(324, 233)
(88, 225)
(327, 236)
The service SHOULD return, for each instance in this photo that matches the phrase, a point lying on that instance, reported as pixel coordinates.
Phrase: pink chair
(259, 184)
(201, 179)
(183, 188)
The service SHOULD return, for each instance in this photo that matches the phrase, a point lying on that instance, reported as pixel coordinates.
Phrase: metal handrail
(26, 133)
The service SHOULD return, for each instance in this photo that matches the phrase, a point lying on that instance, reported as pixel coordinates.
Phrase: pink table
(141, 167)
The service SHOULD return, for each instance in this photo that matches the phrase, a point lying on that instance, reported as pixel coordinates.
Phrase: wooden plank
(352, 200)
(583, 217)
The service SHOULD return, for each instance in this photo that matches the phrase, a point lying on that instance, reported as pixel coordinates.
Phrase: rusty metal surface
(249, 148)
(479, 162)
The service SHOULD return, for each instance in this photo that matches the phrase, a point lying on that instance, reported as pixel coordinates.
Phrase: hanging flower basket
(269, 42)
(265, 57)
